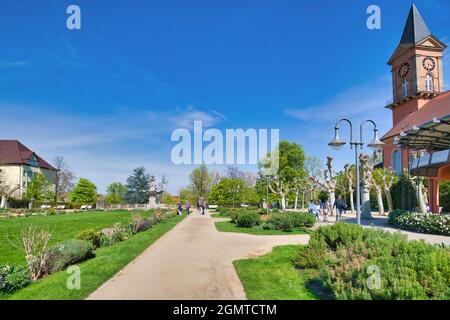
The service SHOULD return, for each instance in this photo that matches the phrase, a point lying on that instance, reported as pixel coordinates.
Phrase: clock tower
(417, 75)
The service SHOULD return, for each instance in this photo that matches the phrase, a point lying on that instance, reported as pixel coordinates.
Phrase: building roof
(415, 28)
(438, 108)
(14, 152)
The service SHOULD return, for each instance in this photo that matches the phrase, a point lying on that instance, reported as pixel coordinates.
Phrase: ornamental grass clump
(35, 242)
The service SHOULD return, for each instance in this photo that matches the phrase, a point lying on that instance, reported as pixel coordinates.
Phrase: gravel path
(193, 261)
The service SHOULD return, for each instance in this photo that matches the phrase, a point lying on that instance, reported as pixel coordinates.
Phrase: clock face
(403, 70)
(429, 64)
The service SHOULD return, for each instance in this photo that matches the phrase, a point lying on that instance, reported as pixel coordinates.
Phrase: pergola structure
(432, 143)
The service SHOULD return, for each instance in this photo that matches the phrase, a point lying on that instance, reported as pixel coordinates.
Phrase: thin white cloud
(14, 64)
(316, 122)
(358, 101)
(105, 148)
(185, 119)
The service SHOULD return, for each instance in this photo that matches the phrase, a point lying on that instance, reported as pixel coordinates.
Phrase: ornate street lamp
(338, 144)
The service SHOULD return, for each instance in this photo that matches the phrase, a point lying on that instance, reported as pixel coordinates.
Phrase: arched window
(429, 83)
(405, 88)
(397, 162)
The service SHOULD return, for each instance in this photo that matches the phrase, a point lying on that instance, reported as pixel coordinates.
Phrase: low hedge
(354, 263)
(422, 223)
(67, 253)
(290, 220)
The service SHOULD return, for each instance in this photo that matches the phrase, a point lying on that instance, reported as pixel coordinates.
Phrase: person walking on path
(326, 210)
(311, 207)
(188, 207)
(180, 209)
(316, 210)
(203, 206)
(339, 205)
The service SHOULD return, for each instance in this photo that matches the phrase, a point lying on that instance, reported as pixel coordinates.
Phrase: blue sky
(107, 97)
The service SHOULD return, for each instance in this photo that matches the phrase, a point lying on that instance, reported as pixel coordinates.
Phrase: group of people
(201, 207)
(324, 208)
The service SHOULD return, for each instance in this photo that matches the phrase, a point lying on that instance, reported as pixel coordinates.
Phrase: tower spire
(415, 28)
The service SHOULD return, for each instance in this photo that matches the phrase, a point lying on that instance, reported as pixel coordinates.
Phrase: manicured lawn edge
(274, 276)
(228, 226)
(96, 271)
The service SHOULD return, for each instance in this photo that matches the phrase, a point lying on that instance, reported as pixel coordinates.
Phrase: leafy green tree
(167, 198)
(137, 186)
(187, 195)
(290, 169)
(116, 193)
(39, 189)
(84, 193)
(229, 191)
(200, 182)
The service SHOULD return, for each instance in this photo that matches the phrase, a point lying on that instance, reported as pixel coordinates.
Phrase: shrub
(422, 223)
(302, 219)
(248, 219)
(89, 235)
(110, 236)
(67, 253)
(267, 225)
(282, 221)
(13, 278)
(35, 242)
(138, 223)
(223, 211)
(348, 257)
(234, 215)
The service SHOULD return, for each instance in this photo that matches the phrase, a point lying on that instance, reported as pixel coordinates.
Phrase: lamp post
(267, 194)
(338, 143)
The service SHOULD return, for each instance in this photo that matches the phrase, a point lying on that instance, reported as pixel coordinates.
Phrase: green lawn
(274, 276)
(228, 226)
(62, 227)
(96, 271)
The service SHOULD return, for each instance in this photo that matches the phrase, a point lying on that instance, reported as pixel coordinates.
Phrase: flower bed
(422, 223)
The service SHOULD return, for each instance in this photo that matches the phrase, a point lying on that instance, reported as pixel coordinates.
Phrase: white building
(18, 165)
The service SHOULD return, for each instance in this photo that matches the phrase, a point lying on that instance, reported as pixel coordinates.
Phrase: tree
(420, 190)
(137, 186)
(388, 177)
(167, 198)
(215, 177)
(186, 195)
(200, 182)
(234, 173)
(116, 193)
(228, 191)
(366, 184)
(328, 182)
(314, 168)
(64, 178)
(84, 193)
(39, 189)
(350, 172)
(377, 182)
(290, 167)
